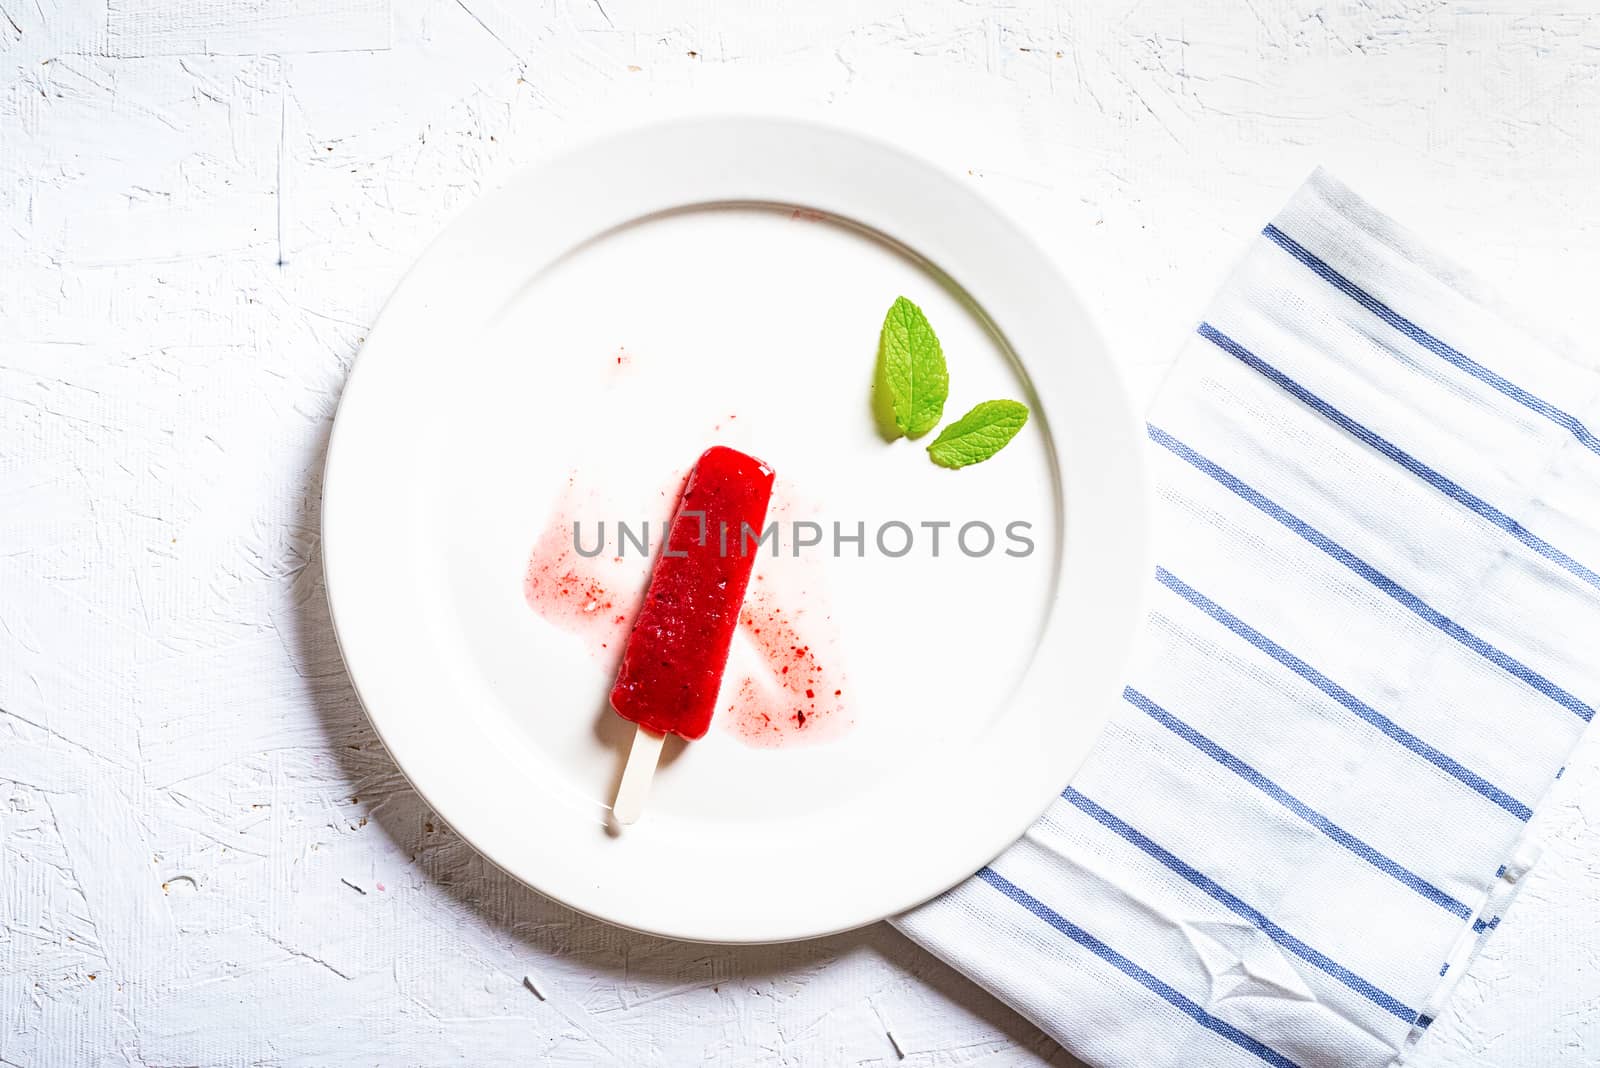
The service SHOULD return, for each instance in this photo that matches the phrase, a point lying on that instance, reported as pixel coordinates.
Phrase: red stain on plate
(593, 597)
(566, 589)
(798, 694)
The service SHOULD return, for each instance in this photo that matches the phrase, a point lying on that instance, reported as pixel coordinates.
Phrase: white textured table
(205, 856)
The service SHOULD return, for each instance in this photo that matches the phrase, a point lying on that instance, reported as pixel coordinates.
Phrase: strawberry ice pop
(672, 665)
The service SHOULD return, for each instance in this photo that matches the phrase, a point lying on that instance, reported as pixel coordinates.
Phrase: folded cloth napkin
(1370, 649)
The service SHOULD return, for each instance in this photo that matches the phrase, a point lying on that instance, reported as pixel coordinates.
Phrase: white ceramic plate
(563, 352)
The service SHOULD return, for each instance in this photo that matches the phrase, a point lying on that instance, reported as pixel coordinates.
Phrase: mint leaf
(911, 383)
(979, 434)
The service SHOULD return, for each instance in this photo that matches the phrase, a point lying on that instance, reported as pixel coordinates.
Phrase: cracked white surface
(205, 857)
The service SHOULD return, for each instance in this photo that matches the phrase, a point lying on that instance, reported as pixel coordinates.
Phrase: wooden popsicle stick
(636, 776)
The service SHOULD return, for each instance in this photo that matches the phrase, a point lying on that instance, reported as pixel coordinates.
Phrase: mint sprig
(979, 434)
(911, 383)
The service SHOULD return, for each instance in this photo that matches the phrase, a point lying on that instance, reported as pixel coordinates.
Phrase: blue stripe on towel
(1354, 704)
(1444, 485)
(1088, 941)
(1197, 878)
(1294, 804)
(1371, 574)
(1566, 420)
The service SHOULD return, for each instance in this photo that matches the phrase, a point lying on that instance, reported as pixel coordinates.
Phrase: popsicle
(673, 662)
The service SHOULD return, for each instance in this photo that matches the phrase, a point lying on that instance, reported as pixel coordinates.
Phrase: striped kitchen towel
(1370, 649)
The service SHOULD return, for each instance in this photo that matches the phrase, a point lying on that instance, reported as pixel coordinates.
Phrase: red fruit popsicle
(672, 665)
